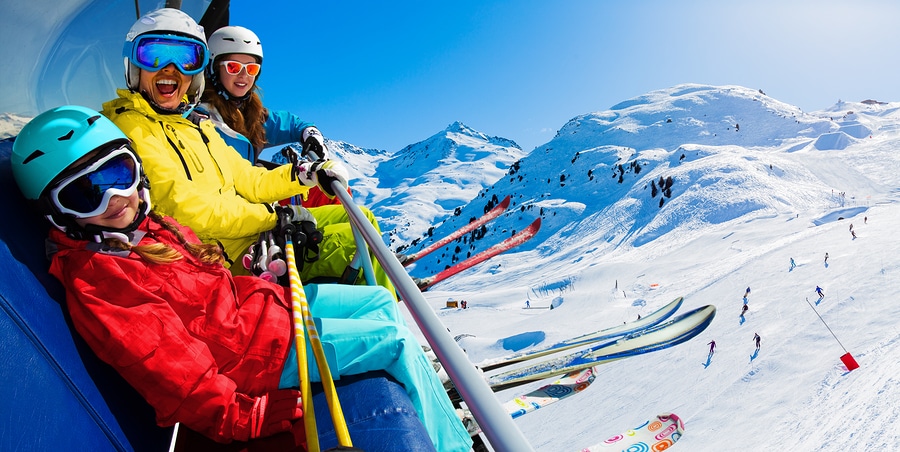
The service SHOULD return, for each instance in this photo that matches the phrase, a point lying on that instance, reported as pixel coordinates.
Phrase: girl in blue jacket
(232, 102)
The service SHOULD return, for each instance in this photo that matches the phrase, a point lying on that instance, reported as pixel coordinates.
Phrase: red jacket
(196, 342)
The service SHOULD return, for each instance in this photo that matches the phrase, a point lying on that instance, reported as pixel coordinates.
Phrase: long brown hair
(246, 117)
(162, 253)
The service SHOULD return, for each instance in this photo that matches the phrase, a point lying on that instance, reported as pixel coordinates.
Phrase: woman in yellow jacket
(196, 177)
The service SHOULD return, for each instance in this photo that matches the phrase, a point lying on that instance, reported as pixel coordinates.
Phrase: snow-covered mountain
(428, 180)
(754, 183)
(10, 125)
(666, 163)
(699, 191)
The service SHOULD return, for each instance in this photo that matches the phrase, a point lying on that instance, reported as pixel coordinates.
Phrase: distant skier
(826, 258)
(793, 264)
(820, 292)
(527, 304)
(712, 347)
(756, 339)
(744, 309)
(747, 293)
(853, 233)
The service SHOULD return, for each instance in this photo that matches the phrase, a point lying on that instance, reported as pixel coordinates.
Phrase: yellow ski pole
(302, 315)
(297, 294)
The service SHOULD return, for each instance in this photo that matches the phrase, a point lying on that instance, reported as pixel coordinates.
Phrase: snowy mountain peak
(459, 127)
(692, 113)
(444, 144)
(638, 210)
(11, 124)
(669, 162)
(432, 178)
(460, 132)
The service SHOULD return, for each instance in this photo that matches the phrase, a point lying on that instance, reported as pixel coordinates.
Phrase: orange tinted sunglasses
(235, 67)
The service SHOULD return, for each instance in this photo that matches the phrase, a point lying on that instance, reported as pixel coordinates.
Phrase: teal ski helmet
(46, 148)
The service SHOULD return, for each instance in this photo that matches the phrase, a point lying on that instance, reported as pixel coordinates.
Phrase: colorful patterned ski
(565, 387)
(654, 435)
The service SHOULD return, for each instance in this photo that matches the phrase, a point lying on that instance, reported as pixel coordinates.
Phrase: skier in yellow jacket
(196, 177)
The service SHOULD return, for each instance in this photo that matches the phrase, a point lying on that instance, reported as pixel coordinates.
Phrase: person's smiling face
(120, 213)
(166, 87)
(237, 85)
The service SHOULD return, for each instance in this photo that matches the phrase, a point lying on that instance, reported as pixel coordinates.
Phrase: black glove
(313, 142)
(297, 222)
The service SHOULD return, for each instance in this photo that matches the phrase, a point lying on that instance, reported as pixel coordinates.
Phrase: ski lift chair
(57, 395)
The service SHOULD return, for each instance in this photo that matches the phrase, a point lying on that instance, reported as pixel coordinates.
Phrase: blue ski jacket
(282, 127)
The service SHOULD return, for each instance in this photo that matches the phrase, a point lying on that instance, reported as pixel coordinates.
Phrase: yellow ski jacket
(198, 179)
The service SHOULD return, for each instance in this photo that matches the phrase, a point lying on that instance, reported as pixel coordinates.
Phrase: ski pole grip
(248, 258)
(263, 260)
(283, 224)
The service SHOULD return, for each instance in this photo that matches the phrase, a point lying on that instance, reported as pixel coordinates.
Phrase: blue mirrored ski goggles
(87, 192)
(154, 52)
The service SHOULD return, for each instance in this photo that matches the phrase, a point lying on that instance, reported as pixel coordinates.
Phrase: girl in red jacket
(203, 347)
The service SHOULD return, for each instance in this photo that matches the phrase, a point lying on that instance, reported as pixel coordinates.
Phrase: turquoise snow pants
(362, 329)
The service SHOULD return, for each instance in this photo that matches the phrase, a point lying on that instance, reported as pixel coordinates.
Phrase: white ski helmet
(234, 39)
(164, 21)
(226, 41)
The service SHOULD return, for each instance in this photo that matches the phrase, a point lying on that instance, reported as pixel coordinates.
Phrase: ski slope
(796, 394)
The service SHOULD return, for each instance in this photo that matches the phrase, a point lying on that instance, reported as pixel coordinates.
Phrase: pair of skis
(506, 245)
(661, 336)
(656, 434)
(650, 333)
(644, 335)
(576, 381)
(647, 321)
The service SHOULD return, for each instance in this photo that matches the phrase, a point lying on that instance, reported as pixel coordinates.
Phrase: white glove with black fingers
(301, 168)
(313, 142)
(303, 171)
(327, 171)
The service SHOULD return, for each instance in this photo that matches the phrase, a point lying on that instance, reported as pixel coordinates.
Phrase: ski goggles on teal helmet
(86, 193)
(153, 52)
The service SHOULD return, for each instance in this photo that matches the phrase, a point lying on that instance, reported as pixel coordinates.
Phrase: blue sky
(387, 74)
